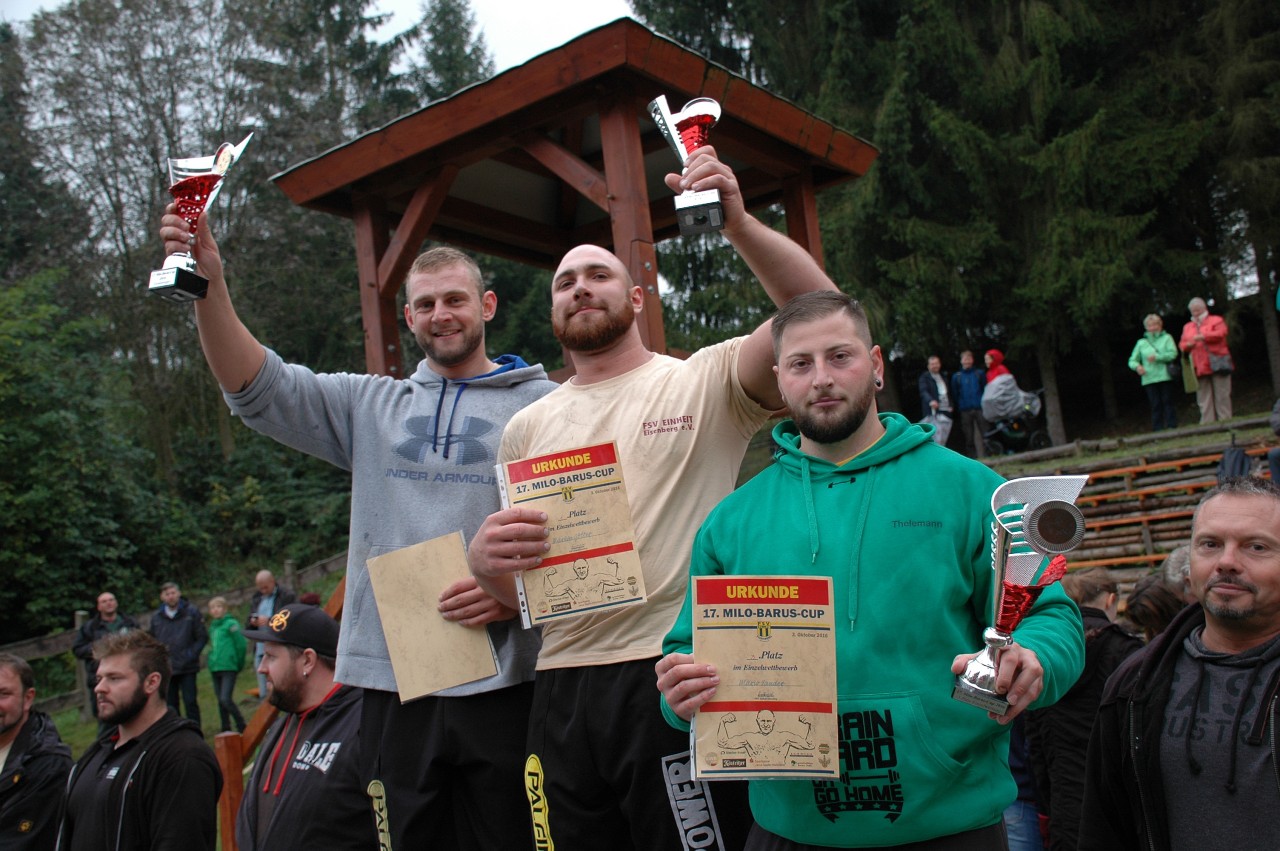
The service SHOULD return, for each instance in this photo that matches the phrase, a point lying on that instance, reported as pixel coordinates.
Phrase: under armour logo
(464, 444)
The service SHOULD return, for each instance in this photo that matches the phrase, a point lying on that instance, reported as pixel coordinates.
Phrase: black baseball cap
(302, 626)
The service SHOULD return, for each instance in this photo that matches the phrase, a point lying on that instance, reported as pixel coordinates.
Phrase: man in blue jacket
(966, 396)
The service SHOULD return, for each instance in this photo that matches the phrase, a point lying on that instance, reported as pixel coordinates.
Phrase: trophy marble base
(699, 212)
(178, 285)
(966, 692)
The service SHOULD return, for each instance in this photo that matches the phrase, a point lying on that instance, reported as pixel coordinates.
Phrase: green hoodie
(226, 644)
(904, 530)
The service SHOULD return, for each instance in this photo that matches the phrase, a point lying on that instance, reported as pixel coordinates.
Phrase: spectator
(966, 395)
(1205, 339)
(305, 790)
(1176, 570)
(1273, 454)
(1182, 754)
(226, 657)
(1059, 734)
(936, 405)
(151, 782)
(1151, 359)
(106, 620)
(1151, 605)
(33, 763)
(268, 598)
(178, 625)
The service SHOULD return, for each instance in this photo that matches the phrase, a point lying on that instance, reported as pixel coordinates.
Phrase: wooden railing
(233, 750)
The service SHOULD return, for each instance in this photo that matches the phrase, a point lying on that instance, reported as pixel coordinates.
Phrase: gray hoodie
(421, 453)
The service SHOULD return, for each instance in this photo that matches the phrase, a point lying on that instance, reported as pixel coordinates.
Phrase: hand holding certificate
(592, 563)
(774, 712)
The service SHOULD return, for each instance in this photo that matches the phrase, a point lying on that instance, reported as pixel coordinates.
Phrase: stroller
(1014, 419)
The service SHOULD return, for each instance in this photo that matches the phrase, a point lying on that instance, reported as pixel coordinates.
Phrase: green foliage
(453, 54)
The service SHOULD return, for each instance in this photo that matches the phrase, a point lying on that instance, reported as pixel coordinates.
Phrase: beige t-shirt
(681, 428)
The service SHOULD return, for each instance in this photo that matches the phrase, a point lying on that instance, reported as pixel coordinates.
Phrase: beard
(123, 713)
(455, 349)
(1226, 611)
(287, 697)
(828, 429)
(593, 333)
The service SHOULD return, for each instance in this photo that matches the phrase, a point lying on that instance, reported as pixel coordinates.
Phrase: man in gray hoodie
(446, 768)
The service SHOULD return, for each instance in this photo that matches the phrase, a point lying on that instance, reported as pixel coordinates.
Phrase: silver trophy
(194, 183)
(685, 131)
(1036, 518)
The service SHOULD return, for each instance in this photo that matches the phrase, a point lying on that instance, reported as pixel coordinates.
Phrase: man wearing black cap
(305, 790)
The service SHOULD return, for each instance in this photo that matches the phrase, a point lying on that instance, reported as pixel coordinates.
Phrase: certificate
(593, 563)
(428, 653)
(772, 641)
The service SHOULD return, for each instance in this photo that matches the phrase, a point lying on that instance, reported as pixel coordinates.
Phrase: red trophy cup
(696, 212)
(1036, 522)
(195, 182)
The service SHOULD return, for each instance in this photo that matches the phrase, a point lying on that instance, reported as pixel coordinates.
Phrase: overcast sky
(514, 30)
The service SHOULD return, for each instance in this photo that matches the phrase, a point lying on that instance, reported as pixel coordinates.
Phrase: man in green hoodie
(903, 526)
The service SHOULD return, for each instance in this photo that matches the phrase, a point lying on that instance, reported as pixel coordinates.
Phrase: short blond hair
(444, 257)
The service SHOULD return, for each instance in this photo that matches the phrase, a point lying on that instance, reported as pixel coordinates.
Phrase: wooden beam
(413, 228)
(800, 202)
(377, 309)
(566, 165)
(629, 207)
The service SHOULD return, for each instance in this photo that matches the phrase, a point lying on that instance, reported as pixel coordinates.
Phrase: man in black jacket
(106, 620)
(33, 763)
(180, 628)
(1183, 752)
(151, 781)
(305, 791)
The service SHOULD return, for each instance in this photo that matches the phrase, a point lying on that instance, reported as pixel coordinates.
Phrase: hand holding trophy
(195, 182)
(686, 131)
(1036, 517)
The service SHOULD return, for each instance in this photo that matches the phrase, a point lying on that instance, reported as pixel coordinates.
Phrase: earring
(879, 384)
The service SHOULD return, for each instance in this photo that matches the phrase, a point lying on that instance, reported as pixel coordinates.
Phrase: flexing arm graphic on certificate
(766, 740)
(592, 563)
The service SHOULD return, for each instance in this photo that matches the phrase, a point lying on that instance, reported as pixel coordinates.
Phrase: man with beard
(305, 791)
(33, 763)
(602, 769)
(150, 781)
(869, 500)
(421, 452)
(1188, 724)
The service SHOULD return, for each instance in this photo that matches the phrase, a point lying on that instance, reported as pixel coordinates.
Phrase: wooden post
(228, 750)
(82, 680)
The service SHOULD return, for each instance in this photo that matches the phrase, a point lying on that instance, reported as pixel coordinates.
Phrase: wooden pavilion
(558, 152)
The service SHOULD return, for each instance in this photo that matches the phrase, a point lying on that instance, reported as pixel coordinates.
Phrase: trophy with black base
(1036, 521)
(194, 183)
(685, 131)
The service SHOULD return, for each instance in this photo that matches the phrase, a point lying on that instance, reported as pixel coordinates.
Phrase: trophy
(195, 182)
(1036, 517)
(696, 212)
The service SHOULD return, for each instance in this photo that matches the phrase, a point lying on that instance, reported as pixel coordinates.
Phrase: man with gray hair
(33, 763)
(1205, 339)
(1187, 725)
(269, 597)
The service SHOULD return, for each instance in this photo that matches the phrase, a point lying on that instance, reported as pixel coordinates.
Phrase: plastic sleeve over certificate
(772, 642)
(592, 563)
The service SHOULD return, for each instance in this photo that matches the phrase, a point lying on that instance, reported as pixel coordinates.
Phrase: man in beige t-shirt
(603, 769)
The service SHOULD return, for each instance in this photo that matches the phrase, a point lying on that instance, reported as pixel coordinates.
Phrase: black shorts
(449, 769)
(605, 771)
